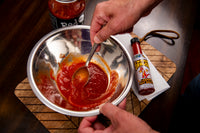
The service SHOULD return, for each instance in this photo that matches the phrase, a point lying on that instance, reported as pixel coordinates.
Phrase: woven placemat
(56, 122)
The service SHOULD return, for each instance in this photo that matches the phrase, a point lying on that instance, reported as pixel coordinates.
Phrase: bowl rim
(57, 108)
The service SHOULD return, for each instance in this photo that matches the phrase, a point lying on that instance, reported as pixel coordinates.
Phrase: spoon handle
(94, 47)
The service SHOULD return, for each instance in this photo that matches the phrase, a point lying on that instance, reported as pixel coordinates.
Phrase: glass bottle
(142, 70)
(66, 12)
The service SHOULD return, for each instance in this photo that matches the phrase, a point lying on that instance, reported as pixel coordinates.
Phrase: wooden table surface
(24, 22)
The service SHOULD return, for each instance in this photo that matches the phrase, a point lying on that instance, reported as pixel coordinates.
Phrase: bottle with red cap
(66, 12)
(142, 70)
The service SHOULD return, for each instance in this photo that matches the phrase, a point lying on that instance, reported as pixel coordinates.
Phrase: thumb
(112, 112)
(105, 32)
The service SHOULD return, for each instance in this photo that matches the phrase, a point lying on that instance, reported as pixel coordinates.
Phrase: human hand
(122, 121)
(118, 16)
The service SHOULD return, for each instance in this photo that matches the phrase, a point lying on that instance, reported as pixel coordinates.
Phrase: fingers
(89, 125)
(98, 126)
(122, 105)
(96, 26)
(86, 123)
(100, 18)
(111, 111)
(103, 26)
(108, 20)
(104, 33)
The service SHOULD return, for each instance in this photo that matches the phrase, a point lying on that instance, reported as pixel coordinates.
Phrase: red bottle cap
(135, 42)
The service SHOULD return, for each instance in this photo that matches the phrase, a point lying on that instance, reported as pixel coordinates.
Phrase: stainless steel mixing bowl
(50, 50)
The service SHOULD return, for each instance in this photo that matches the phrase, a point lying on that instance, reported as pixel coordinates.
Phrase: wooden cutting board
(56, 122)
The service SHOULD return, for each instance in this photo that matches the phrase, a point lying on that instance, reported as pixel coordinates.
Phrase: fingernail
(96, 40)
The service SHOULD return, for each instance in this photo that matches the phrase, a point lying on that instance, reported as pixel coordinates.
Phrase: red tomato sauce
(83, 96)
(66, 10)
(99, 89)
(45, 84)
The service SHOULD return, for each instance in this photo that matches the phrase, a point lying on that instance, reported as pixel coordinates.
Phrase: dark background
(24, 22)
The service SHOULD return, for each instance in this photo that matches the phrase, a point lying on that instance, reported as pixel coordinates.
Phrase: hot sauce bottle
(142, 70)
(66, 12)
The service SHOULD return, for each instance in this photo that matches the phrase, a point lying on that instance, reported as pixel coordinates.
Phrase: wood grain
(56, 122)
(24, 22)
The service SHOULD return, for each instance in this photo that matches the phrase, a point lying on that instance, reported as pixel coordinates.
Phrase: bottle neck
(136, 48)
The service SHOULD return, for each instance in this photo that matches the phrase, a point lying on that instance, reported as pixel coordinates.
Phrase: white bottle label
(143, 75)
